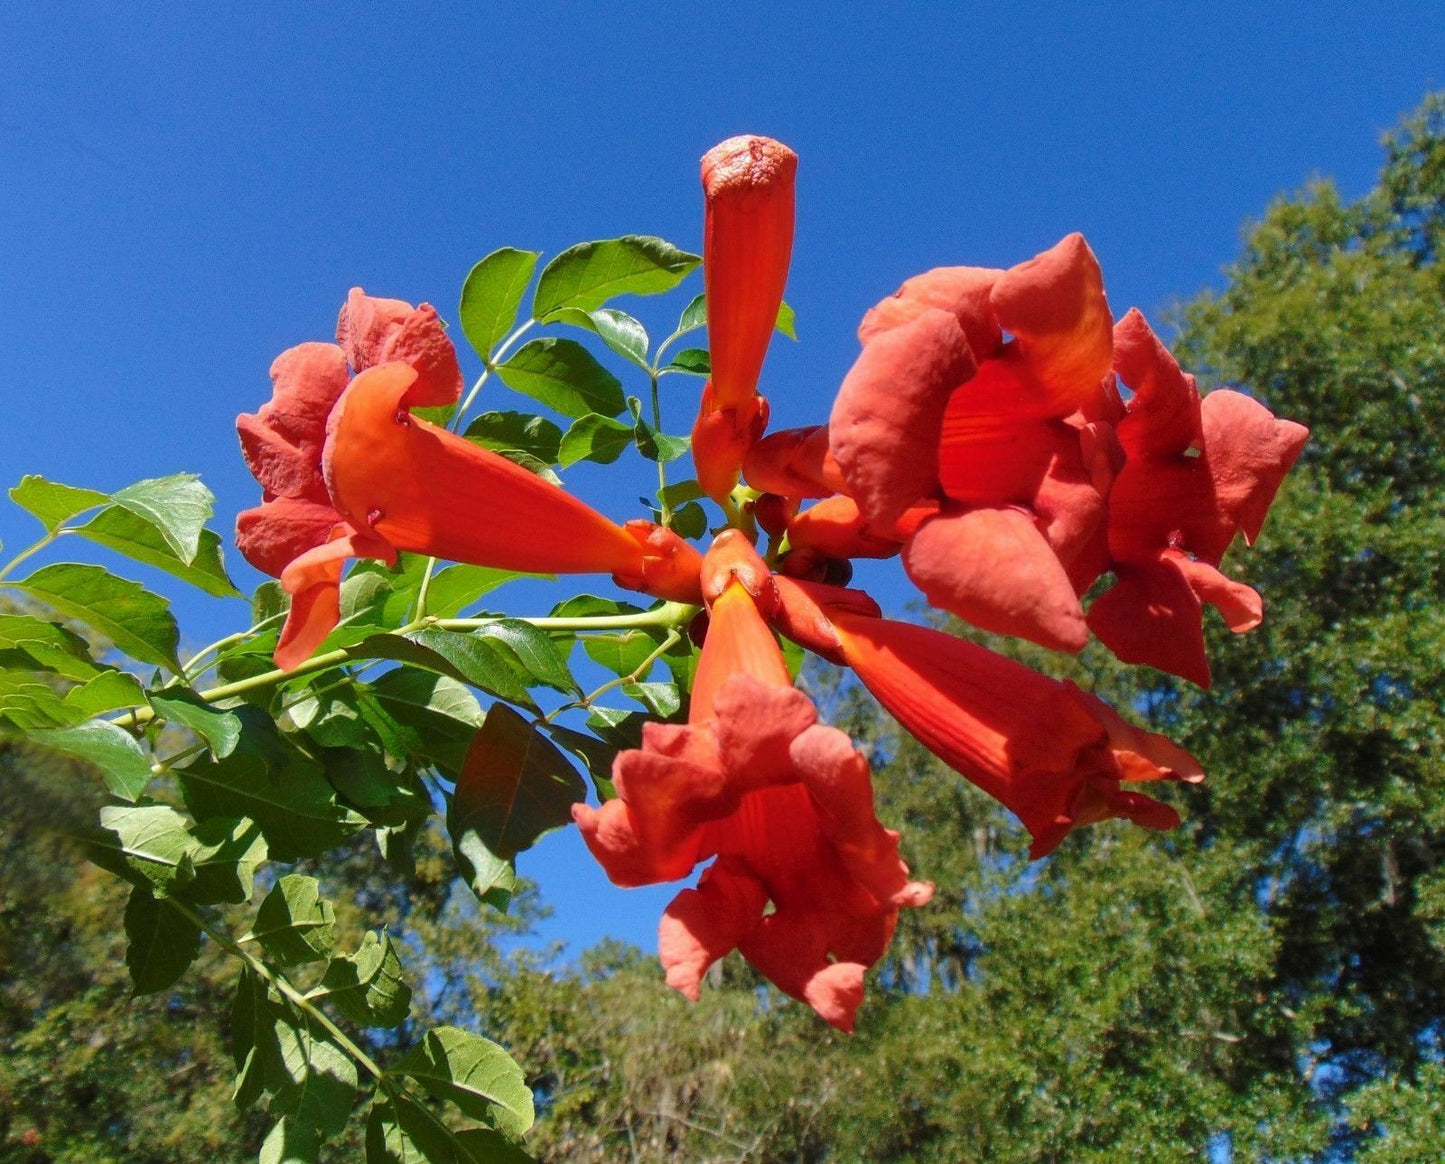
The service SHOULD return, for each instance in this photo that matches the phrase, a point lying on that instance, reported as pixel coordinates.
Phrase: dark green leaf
(442, 714)
(658, 446)
(690, 521)
(321, 1078)
(589, 274)
(618, 330)
(220, 729)
(367, 986)
(52, 503)
(472, 659)
(295, 923)
(491, 295)
(538, 658)
(122, 531)
(474, 1074)
(401, 1131)
(123, 763)
(680, 492)
(225, 856)
(693, 361)
(564, 376)
(178, 506)
(517, 431)
(596, 754)
(594, 438)
(135, 620)
(269, 781)
(492, 878)
(621, 728)
(290, 1142)
(162, 942)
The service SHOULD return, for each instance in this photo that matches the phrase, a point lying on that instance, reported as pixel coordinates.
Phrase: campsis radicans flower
(747, 245)
(806, 883)
(348, 471)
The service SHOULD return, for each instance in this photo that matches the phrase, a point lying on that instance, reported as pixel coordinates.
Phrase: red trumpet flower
(747, 245)
(349, 472)
(784, 803)
(1197, 472)
(1050, 753)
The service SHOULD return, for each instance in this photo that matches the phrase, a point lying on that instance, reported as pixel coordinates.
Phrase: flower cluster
(983, 434)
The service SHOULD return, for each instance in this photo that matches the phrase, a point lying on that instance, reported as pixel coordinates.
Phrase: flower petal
(721, 438)
(1152, 615)
(313, 580)
(282, 440)
(703, 925)
(1163, 416)
(378, 331)
(962, 291)
(273, 534)
(795, 463)
(993, 568)
(885, 426)
(835, 528)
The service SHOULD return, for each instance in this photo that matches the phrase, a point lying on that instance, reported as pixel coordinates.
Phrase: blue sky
(185, 196)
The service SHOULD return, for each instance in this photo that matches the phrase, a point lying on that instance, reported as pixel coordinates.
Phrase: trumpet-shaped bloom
(1197, 473)
(1004, 435)
(747, 245)
(784, 804)
(1050, 753)
(349, 472)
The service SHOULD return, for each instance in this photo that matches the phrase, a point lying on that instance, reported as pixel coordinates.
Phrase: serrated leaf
(368, 986)
(220, 729)
(587, 275)
(517, 431)
(135, 620)
(295, 924)
(178, 506)
(147, 845)
(108, 691)
(29, 702)
(162, 942)
(53, 646)
(123, 763)
(441, 714)
(472, 659)
(268, 780)
(269, 601)
(225, 856)
(690, 521)
(594, 438)
(564, 376)
(693, 361)
(618, 330)
(514, 787)
(474, 1074)
(662, 699)
(54, 504)
(492, 294)
(537, 656)
(124, 532)
(680, 492)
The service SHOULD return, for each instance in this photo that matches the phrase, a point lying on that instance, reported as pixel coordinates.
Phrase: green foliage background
(1268, 982)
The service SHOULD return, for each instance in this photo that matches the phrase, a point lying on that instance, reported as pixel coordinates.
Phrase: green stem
(492, 361)
(669, 614)
(31, 551)
(661, 468)
(420, 610)
(189, 670)
(292, 995)
(674, 636)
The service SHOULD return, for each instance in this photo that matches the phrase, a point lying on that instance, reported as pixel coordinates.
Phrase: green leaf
(135, 620)
(596, 754)
(54, 504)
(321, 1078)
(564, 376)
(690, 521)
(51, 645)
(680, 492)
(220, 729)
(440, 713)
(268, 780)
(400, 1131)
(289, 1142)
(619, 331)
(693, 361)
(514, 787)
(537, 656)
(367, 986)
(269, 601)
(622, 728)
(492, 878)
(621, 652)
(162, 942)
(654, 445)
(694, 315)
(178, 506)
(295, 923)
(516, 431)
(590, 606)
(589, 274)
(662, 699)
(786, 322)
(473, 1073)
(225, 856)
(472, 659)
(594, 438)
(146, 845)
(108, 691)
(123, 763)
(29, 702)
(122, 531)
(491, 295)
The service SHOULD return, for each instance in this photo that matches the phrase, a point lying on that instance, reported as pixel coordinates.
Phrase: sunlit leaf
(594, 438)
(587, 275)
(147, 845)
(474, 1074)
(619, 331)
(220, 729)
(178, 506)
(107, 691)
(295, 923)
(135, 620)
(564, 376)
(54, 504)
(502, 431)
(693, 361)
(367, 986)
(123, 763)
(472, 659)
(492, 294)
